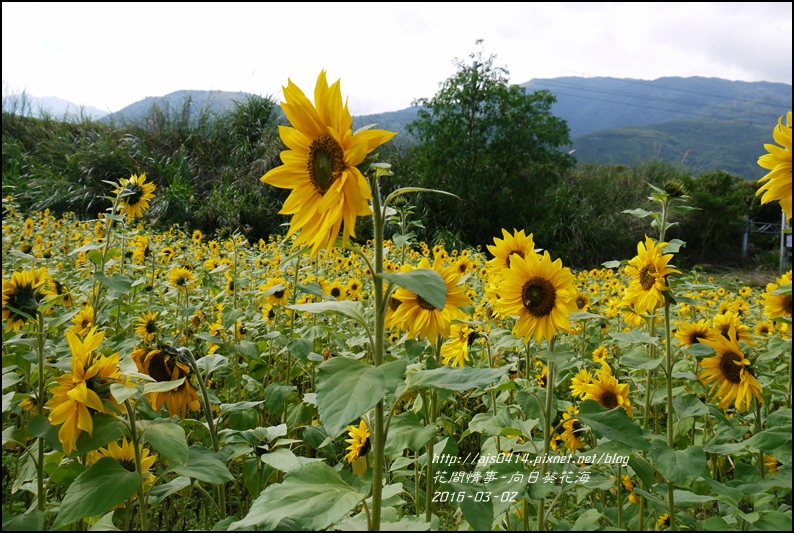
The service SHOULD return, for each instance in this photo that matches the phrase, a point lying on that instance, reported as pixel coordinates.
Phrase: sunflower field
(164, 380)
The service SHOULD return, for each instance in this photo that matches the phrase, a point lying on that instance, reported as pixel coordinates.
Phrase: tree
(492, 144)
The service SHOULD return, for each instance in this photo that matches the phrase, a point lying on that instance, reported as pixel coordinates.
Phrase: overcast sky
(110, 55)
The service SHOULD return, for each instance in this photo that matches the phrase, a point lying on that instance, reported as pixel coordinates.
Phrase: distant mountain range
(51, 106)
(701, 123)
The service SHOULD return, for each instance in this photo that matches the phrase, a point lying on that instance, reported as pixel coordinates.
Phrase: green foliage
(206, 166)
(489, 143)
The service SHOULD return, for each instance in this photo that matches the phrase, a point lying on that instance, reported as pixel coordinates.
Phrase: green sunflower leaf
(424, 282)
(347, 308)
(456, 379)
(315, 486)
(613, 424)
(678, 466)
(202, 464)
(97, 490)
(169, 440)
(346, 389)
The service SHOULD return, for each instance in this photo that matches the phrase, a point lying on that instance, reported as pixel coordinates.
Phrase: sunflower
(582, 301)
(663, 521)
(82, 321)
(165, 364)
(419, 317)
(125, 455)
(134, 195)
(146, 328)
(275, 292)
(730, 372)
(22, 295)
(359, 446)
(503, 250)
(600, 354)
(778, 162)
(608, 392)
(649, 269)
(725, 322)
(328, 191)
(82, 389)
(690, 333)
(181, 278)
(579, 382)
(540, 292)
(455, 352)
(572, 429)
(776, 305)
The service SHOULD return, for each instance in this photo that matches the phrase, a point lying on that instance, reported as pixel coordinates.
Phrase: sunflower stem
(40, 339)
(210, 423)
(670, 427)
(546, 430)
(378, 433)
(138, 464)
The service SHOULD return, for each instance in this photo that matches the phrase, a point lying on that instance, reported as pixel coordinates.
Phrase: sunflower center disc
(538, 296)
(648, 277)
(326, 162)
(128, 464)
(609, 400)
(424, 304)
(151, 326)
(730, 370)
(158, 367)
(394, 303)
(132, 194)
(786, 305)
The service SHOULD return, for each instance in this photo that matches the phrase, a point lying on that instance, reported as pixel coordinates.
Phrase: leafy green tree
(490, 143)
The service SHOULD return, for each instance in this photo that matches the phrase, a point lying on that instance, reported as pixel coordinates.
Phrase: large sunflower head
(22, 295)
(776, 305)
(328, 191)
(166, 364)
(84, 388)
(134, 195)
(730, 373)
(413, 313)
(540, 292)
(778, 162)
(649, 269)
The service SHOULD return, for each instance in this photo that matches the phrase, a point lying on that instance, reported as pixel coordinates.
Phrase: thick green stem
(546, 431)
(210, 424)
(138, 464)
(378, 434)
(40, 339)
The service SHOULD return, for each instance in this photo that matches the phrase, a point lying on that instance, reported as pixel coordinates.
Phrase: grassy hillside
(698, 145)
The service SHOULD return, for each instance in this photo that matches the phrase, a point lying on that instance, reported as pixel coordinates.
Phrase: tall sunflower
(730, 373)
(649, 269)
(82, 389)
(540, 292)
(328, 191)
(359, 446)
(572, 430)
(778, 162)
(776, 305)
(165, 364)
(134, 195)
(22, 295)
(420, 317)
